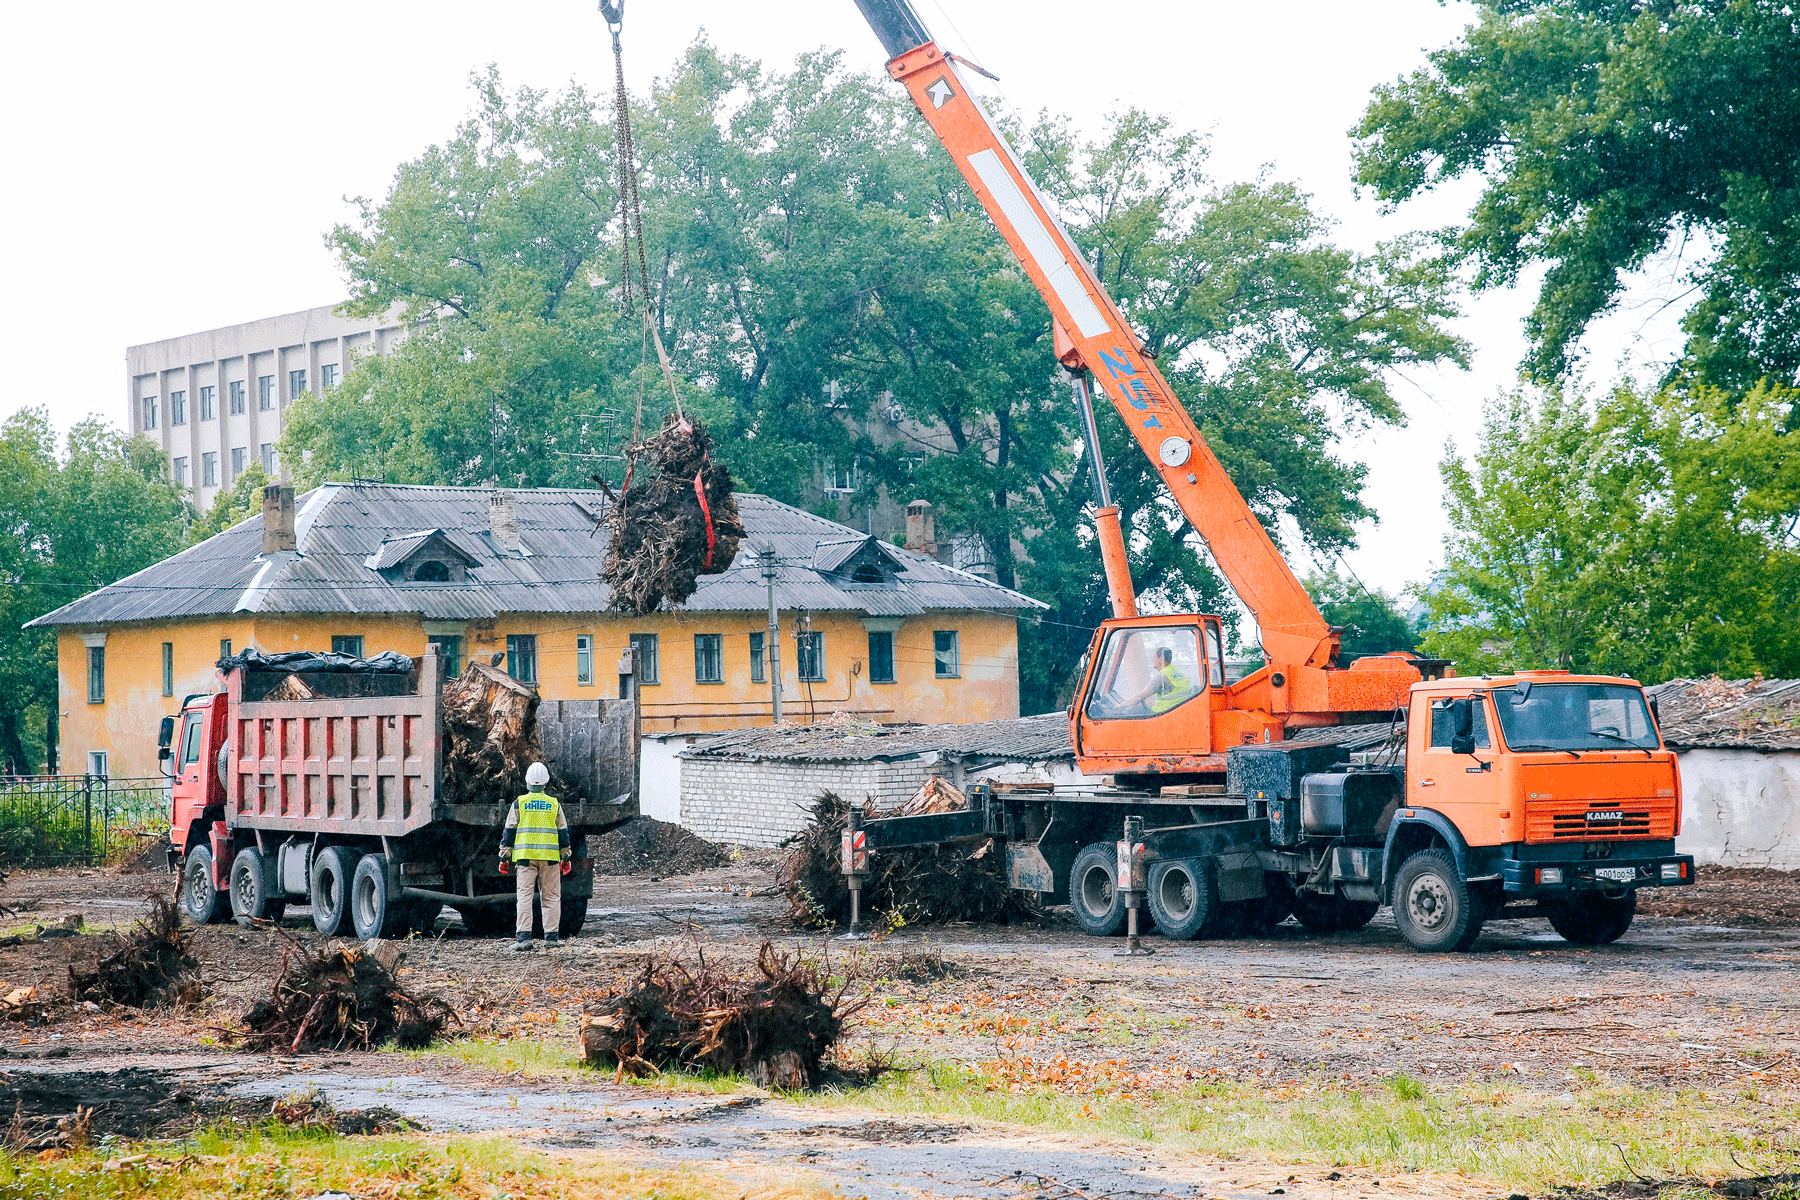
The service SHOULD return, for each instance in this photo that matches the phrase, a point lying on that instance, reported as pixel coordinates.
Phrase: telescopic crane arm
(1094, 341)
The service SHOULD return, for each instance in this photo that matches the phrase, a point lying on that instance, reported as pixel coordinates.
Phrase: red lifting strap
(706, 510)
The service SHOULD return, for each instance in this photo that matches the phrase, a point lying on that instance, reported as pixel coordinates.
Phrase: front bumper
(1528, 878)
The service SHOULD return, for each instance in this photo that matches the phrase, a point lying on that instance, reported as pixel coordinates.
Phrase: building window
(810, 657)
(96, 674)
(347, 643)
(168, 668)
(881, 658)
(584, 660)
(238, 455)
(209, 469)
(946, 655)
(644, 650)
(234, 392)
(149, 412)
(521, 657)
(845, 479)
(265, 392)
(328, 375)
(432, 570)
(709, 650)
(97, 763)
(296, 384)
(224, 647)
(267, 453)
(759, 673)
(178, 408)
(450, 646)
(178, 468)
(209, 409)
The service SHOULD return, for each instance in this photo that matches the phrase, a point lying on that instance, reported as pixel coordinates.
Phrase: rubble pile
(914, 885)
(152, 966)
(342, 998)
(646, 846)
(677, 520)
(774, 1024)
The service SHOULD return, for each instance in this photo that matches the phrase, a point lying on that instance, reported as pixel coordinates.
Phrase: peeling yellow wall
(124, 725)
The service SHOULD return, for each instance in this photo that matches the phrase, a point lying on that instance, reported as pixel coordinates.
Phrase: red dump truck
(328, 793)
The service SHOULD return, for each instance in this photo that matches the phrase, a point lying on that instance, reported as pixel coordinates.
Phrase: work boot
(522, 942)
(552, 940)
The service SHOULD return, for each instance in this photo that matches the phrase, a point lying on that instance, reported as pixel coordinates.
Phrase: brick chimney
(278, 519)
(921, 528)
(503, 522)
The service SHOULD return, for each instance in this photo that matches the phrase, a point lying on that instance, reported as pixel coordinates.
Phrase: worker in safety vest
(1168, 686)
(536, 841)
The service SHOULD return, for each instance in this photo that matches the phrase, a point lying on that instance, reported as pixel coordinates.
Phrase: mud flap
(1240, 876)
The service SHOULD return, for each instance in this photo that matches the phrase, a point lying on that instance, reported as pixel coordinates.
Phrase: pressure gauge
(1174, 451)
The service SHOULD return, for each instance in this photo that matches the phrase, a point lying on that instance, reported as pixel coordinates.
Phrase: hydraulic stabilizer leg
(1130, 871)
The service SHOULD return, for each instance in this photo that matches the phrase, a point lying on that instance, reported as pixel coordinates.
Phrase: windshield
(1145, 673)
(1575, 716)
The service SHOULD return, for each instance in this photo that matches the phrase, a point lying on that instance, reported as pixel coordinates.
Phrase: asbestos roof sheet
(1021, 739)
(1729, 714)
(341, 527)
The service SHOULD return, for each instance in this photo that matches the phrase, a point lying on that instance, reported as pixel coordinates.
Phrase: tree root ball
(659, 544)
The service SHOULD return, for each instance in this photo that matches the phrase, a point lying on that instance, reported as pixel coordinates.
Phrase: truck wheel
(252, 899)
(333, 869)
(201, 901)
(1593, 919)
(372, 913)
(1184, 899)
(1094, 894)
(1433, 905)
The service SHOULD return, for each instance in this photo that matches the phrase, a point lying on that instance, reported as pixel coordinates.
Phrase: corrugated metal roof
(1729, 714)
(1021, 739)
(341, 526)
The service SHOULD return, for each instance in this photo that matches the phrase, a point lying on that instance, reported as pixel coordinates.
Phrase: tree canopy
(808, 239)
(1607, 131)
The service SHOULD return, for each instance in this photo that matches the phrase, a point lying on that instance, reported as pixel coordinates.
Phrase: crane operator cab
(1150, 691)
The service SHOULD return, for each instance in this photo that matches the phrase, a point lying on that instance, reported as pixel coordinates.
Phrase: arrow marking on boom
(940, 92)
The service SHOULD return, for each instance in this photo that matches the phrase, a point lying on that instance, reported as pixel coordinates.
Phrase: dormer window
(867, 572)
(428, 556)
(431, 571)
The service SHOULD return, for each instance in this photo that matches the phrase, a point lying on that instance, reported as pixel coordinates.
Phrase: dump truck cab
(188, 746)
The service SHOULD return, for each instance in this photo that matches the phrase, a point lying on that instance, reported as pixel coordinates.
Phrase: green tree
(239, 502)
(1649, 534)
(1606, 131)
(1373, 621)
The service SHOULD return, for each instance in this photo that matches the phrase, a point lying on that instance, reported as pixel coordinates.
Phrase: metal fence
(61, 820)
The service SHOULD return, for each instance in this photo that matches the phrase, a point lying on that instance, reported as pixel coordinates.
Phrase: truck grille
(1577, 820)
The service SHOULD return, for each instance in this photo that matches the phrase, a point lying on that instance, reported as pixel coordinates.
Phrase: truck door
(188, 783)
(1464, 787)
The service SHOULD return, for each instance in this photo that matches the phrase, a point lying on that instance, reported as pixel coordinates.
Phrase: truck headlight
(1671, 870)
(1549, 875)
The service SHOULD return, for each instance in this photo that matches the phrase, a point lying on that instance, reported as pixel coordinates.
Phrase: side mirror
(165, 736)
(1462, 725)
(1655, 713)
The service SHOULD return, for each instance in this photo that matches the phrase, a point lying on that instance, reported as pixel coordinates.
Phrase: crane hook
(614, 12)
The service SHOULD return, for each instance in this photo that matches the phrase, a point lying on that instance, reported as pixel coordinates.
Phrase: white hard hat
(537, 775)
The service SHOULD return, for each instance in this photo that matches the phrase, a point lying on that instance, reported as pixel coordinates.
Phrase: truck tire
(1433, 906)
(252, 897)
(1094, 895)
(332, 870)
(1593, 918)
(373, 914)
(1184, 899)
(201, 901)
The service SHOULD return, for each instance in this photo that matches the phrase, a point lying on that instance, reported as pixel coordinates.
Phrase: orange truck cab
(189, 746)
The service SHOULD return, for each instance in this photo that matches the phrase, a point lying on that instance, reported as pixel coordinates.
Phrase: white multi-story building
(215, 401)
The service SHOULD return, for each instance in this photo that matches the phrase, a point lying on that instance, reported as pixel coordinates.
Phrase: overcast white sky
(175, 166)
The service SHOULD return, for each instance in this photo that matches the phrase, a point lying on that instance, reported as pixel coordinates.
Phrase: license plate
(1617, 874)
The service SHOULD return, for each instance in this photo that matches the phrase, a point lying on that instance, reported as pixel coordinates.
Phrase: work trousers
(545, 877)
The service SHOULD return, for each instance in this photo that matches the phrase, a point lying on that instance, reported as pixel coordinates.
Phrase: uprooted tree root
(659, 545)
(915, 885)
(152, 966)
(341, 998)
(490, 737)
(774, 1025)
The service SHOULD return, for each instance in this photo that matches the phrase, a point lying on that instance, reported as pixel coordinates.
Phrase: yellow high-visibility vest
(536, 837)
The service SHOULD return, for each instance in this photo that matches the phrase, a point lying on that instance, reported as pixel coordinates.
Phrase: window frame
(296, 383)
(938, 651)
(97, 764)
(96, 674)
(759, 657)
(521, 653)
(178, 470)
(209, 468)
(584, 660)
(168, 668)
(450, 650)
(709, 653)
(265, 454)
(237, 396)
(178, 407)
(892, 675)
(809, 652)
(328, 376)
(149, 412)
(209, 402)
(341, 643)
(265, 393)
(224, 647)
(240, 461)
(647, 668)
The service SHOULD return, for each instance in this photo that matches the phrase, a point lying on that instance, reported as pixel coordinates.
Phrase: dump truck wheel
(373, 914)
(333, 869)
(1184, 899)
(1094, 895)
(252, 899)
(201, 900)
(1433, 905)
(1593, 919)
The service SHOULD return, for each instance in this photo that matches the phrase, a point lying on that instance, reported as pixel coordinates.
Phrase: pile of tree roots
(675, 521)
(341, 998)
(490, 737)
(774, 1024)
(914, 885)
(152, 966)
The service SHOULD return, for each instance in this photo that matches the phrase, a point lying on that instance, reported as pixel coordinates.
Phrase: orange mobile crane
(1540, 792)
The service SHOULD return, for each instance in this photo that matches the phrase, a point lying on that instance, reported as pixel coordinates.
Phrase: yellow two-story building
(868, 628)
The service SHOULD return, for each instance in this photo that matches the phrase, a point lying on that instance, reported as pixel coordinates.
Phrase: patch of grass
(1517, 1139)
(546, 1055)
(280, 1164)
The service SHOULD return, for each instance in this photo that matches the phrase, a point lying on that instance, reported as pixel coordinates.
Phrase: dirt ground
(1704, 990)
